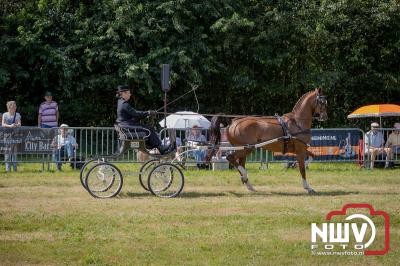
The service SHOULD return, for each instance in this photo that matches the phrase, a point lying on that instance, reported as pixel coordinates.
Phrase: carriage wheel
(104, 180)
(85, 169)
(166, 180)
(145, 170)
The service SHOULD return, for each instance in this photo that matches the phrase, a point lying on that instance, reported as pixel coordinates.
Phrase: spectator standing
(374, 142)
(11, 119)
(48, 112)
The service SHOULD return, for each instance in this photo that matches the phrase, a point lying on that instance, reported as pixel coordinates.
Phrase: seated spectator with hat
(64, 145)
(196, 139)
(374, 142)
(392, 145)
(48, 112)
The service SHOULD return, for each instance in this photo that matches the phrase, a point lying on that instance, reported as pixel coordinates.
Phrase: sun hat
(374, 124)
(63, 125)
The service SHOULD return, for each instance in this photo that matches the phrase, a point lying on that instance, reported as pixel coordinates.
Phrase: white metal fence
(329, 145)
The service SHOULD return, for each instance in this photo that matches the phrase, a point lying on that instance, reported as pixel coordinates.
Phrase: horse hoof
(250, 187)
(312, 192)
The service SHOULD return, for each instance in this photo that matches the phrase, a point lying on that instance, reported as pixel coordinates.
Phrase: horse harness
(287, 136)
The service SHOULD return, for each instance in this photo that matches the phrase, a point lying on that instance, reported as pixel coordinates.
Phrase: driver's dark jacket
(127, 115)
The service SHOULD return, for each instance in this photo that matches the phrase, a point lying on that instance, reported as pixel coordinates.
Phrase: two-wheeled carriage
(103, 179)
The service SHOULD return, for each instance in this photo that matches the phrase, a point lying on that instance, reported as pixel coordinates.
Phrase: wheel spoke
(104, 180)
(166, 180)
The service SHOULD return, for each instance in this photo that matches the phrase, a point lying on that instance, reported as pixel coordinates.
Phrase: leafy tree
(248, 57)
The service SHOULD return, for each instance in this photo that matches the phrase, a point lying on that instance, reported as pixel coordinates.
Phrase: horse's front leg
(302, 169)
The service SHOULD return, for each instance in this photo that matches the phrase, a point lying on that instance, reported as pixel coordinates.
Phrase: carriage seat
(132, 132)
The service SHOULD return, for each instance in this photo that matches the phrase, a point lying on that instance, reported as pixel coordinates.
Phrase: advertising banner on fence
(331, 145)
(26, 140)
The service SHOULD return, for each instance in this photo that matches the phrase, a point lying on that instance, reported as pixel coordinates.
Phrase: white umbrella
(186, 119)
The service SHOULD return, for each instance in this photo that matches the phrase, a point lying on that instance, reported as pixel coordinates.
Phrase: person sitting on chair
(127, 117)
(374, 142)
(195, 139)
(392, 145)
(64, 144)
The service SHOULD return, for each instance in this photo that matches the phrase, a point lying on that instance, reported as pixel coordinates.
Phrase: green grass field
(47, 218)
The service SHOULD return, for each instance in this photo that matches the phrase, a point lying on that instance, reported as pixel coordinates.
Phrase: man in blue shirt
(196, 140)
(374, 142)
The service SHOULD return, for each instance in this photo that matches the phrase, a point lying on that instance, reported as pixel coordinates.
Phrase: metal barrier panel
(329, 145)
(186, 151)
(25, 145)
(381, 147)
(91, 142)
(95, 142)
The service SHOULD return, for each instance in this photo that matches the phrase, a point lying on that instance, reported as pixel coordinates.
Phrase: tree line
(247, 57)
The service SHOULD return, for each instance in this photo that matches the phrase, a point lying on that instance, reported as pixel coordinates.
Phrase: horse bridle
(321, 101)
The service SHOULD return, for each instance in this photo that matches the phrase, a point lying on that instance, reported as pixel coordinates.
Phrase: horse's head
(320, 106)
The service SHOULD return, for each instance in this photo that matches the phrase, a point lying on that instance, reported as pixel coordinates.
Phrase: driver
(127, 116)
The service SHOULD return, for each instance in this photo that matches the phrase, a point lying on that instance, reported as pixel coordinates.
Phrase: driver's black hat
(122, 88)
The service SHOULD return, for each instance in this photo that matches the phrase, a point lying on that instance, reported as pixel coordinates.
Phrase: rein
(221, 115)
(320, 100)
(194, 88)
(224, 115)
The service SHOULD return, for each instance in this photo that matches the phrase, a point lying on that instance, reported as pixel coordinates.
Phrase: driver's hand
(152, 112)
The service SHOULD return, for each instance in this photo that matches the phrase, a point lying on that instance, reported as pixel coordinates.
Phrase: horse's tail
(215, 136)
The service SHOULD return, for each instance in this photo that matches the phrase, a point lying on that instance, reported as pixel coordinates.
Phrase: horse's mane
(300, 101)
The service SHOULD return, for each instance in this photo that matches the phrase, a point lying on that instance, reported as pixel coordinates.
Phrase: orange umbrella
(376, 110)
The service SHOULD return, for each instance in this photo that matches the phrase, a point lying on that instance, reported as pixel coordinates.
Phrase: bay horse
(291, 132)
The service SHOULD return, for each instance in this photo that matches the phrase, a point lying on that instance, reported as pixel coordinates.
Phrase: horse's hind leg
(238, 159)
(302, 168)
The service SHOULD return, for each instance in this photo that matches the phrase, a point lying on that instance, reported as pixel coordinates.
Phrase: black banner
(26, 140)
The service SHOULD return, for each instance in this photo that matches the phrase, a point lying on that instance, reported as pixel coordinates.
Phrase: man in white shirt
(374, 142)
